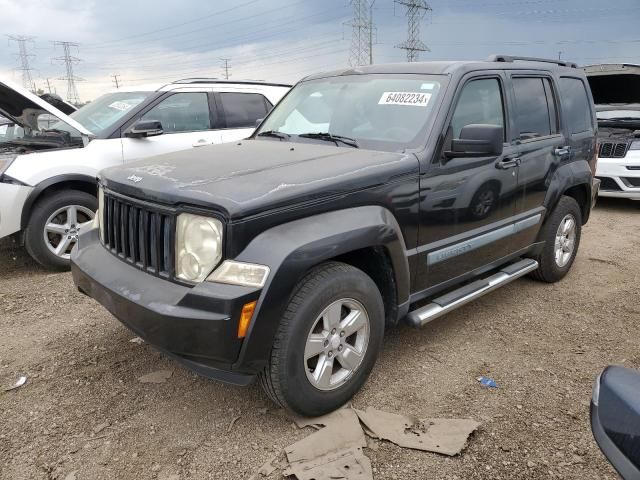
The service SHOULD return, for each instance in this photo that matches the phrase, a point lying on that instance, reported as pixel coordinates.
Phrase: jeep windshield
(377, 112)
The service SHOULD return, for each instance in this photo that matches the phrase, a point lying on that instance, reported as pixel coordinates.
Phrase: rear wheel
(327, 342)
(54, 226)
(561, 233)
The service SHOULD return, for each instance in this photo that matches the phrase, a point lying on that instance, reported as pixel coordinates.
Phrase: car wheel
(54, 226)
(561, 234)
(327, 342)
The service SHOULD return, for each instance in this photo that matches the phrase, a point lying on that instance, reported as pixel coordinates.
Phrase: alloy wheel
(63, 226)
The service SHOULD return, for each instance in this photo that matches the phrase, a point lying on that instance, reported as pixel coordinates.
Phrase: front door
(186, 122)
(467, 203)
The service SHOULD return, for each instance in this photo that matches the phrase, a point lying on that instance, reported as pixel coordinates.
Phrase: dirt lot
(83, 414)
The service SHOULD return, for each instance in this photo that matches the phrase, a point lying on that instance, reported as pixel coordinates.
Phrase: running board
(463, 295)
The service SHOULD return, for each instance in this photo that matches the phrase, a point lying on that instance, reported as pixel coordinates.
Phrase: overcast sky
(148, 41)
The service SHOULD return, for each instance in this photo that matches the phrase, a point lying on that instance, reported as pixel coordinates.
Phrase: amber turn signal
(245, 318)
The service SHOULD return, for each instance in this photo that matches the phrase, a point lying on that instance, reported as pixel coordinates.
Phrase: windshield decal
(122, 106)
(405, 98)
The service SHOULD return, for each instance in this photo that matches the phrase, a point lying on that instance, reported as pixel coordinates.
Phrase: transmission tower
(416, 10)
(24, 56)
(115, 80)
(226, 68)
(361, 52)
(69, 60)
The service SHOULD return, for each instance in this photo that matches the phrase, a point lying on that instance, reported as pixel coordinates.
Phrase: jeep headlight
(198, 246)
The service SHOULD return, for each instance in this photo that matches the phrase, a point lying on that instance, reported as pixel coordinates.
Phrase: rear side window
(242, 110)
(182, 112)
(535, 108)
(575, 102)
(480, 102)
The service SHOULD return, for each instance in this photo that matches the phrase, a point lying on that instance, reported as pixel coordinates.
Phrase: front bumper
(620, 176)
(195, 325)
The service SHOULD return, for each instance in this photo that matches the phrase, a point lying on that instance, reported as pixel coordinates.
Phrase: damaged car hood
(254, 176)
(23, 108)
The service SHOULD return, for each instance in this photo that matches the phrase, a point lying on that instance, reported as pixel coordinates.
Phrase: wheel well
(580, 194)
(375, 262)
(39, 194)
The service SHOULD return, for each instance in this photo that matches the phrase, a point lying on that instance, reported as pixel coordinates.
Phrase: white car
(616, 92)
(48, 168)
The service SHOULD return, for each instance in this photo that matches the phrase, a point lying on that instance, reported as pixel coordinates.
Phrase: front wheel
(328, 340)
(561, 234)
(54, 226)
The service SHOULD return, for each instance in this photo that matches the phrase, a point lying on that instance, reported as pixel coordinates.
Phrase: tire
(59, 206)
(550, 269)
(289, 379)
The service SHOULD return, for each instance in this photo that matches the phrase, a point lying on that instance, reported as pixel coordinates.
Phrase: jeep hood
(614, 83)
(255, 176)
(23, 108)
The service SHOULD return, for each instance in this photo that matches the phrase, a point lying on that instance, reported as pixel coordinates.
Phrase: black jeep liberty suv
(367, 197)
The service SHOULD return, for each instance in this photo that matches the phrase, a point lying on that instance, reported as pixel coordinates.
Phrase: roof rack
(512, 58)
(235, 82)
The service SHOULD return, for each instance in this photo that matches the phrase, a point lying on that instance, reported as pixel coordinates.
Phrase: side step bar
(463, 295)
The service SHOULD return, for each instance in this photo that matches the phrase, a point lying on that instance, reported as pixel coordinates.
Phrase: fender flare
(565, 177)
(291, 249)
(49, 182)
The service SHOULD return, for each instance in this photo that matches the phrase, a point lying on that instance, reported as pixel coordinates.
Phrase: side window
(535, 113)
(480, 102)
(182, 112)
(241, 110)
(576, 104)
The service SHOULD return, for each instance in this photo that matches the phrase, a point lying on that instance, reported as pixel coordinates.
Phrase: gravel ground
(84, 415)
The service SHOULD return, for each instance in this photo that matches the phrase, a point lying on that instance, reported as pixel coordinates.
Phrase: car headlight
(198, 246)
(240, 273)
(635, 145)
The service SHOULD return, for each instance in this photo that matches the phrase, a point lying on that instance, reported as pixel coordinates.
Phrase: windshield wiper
(329, 137)
(273, 133)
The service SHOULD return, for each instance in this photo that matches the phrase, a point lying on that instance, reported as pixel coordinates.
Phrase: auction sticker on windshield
(418, 99)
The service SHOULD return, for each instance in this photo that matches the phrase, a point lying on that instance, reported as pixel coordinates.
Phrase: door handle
(507, 163)
(201, 143)
(562, 151)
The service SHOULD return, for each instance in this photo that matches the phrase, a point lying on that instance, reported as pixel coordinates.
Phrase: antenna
(72, 91)
(24, 56)
(416, 10)
(361, 52)
(226, 68)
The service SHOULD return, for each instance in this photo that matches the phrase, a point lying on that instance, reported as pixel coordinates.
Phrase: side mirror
(478, 140)
(615, 418)
(145, 128)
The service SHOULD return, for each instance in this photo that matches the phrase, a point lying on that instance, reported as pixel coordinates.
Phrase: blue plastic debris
(487, 382)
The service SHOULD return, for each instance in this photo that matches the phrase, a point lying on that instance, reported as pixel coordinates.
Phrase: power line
(361, 52)
(416, 9)
(69, 60)
(24, 56)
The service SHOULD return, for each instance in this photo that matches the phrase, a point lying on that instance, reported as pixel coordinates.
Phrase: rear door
(187, 122)
(240, 112)
(541, 145)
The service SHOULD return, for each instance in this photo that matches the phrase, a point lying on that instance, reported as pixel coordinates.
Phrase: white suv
(48, 165)
(616, 92)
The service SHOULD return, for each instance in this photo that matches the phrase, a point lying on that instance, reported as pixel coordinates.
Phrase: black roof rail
(512, 58)
(235, 82)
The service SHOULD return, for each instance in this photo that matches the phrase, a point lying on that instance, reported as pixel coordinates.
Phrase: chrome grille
(140, 234)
